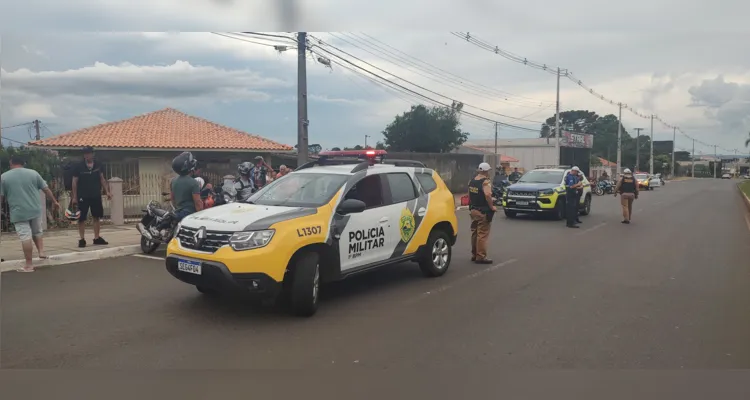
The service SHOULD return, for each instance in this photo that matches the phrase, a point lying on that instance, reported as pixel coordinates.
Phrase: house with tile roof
(139, 150)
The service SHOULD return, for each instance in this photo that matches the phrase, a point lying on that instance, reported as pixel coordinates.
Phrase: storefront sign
(577, 140)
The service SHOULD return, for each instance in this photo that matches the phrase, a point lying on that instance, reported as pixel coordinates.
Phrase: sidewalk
(62, 246)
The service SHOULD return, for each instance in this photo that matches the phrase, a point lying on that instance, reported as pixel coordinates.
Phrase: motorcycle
(604, 187)
(155, 216)
(499, 191)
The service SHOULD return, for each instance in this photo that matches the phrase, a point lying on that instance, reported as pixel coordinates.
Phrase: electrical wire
(476, 41)
(17, 125)
(323, 46)
(276, 46)
(432, 72)
(403, 88)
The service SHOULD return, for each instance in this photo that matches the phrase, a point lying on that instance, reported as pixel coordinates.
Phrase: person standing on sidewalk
(21, 186)
(88, 181)
(482, 211)
(572, 184)
(627, 187)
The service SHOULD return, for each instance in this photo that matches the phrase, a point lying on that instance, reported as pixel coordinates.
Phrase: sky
(687, 63)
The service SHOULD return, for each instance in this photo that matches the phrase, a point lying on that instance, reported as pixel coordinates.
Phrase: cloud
(178, 80)
(728, 103)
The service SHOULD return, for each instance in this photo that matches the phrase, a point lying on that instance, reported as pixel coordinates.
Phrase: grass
(745, 187)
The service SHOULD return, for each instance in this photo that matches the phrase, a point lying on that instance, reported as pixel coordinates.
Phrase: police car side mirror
(351, 206)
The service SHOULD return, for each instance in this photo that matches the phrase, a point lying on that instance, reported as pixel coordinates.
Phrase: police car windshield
(542, 177)
(641, 177)
(299, 190)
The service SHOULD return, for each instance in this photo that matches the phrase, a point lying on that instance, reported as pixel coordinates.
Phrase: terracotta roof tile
(606, 163)
(163, 129)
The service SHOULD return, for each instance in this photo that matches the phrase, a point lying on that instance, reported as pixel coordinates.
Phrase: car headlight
(250, 240)
(546, 192)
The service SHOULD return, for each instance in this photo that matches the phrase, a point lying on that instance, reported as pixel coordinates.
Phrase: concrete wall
(455, 169)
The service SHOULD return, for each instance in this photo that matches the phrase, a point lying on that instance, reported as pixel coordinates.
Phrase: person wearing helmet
(244, 185)
(572, 184)
(186, 191)
(627, 187)
(482, 210)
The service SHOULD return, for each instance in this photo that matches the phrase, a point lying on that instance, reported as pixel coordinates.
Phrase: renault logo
(200, 236)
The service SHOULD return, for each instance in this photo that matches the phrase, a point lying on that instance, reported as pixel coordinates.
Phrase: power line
(321, 42)
(473, 39)
(15, 126)
(432, 72)
(275, 46)
(270, 35)
(420, 95)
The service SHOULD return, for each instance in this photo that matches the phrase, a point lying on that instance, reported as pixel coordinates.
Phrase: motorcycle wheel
(148, 246)
(598, 191)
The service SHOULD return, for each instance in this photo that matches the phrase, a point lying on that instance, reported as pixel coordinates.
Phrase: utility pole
(366, 136)
(716, 161)
(36, 128)
(557, 118)
(496, 163)
(651, 162)
(302, 121)
(692, 157)
(637, 149)
(737, 171)
(619, 140)
(674, 137)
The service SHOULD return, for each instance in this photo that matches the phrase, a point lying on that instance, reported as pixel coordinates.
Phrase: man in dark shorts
(88, 181)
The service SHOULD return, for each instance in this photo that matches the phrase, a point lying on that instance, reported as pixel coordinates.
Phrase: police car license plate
(191, 267)
(522, 203)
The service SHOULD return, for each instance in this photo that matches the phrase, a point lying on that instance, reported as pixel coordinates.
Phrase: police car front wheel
(305, 285)
(436, 258)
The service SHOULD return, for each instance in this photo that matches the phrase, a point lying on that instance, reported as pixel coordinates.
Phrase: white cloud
(92, 94)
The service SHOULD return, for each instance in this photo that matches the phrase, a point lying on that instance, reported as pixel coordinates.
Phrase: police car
(542, 191)
(327, 220)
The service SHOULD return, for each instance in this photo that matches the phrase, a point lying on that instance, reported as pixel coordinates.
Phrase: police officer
(627, 187)
(482, 211)
(572, 184)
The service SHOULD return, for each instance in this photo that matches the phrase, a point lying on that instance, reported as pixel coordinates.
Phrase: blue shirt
(570, 180)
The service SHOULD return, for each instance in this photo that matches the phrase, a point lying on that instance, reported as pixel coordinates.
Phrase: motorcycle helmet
(72, 216)
(184, 163)
(244, 168)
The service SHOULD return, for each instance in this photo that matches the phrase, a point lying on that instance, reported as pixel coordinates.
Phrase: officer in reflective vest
(627, 188)
(572, 184)
(482, 211)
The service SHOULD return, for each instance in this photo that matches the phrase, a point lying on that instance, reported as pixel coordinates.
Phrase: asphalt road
(669, 291)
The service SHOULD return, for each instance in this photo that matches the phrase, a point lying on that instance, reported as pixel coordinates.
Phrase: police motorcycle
(154, 216)
(604, 187)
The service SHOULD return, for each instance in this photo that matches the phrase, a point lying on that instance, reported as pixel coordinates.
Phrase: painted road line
(150, 257)
(591, 229)
(74, 257)
(481, 272)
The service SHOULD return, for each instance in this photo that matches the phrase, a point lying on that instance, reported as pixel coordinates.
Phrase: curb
(744, 196)
(74, 257)
(461, 208)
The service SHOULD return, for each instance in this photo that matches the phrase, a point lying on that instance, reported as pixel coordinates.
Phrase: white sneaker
(25, 269)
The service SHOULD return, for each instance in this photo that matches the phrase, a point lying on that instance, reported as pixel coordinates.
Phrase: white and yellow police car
(542, 191)
(325, 221)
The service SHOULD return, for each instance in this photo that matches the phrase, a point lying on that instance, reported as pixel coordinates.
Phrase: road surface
(669, 291)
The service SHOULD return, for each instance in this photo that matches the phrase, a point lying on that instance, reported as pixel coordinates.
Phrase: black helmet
(244, 167)
(184, 163)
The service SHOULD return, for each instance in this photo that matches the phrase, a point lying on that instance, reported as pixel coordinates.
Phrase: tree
(578, 121)
(336, 149)
(426, 130)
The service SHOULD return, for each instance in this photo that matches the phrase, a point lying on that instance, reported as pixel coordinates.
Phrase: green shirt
(21, 186)
(183, 189)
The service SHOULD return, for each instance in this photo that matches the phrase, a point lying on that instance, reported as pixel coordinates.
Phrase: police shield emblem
(406, 225)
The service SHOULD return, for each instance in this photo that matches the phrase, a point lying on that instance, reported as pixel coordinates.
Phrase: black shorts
(90, 203)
